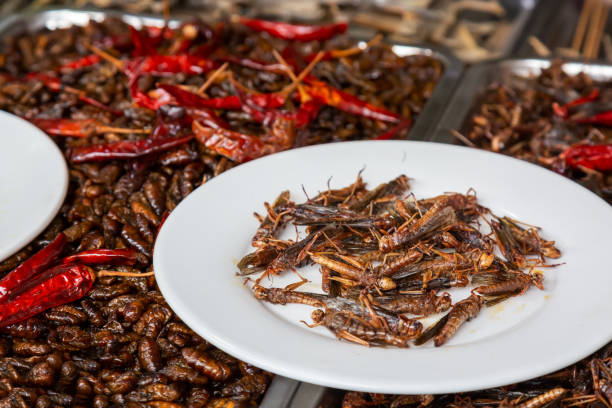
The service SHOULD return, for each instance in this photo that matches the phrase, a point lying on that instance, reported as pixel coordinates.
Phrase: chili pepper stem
(111, 129)
(280, 59)
(296, 82)
(126, 274)
(303, 94)
(230, 76)
(211, 79)
(115, 61)
(356, 50)
(74, 90)
(462, 138)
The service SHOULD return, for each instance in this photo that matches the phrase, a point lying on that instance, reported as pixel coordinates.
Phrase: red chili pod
(256, 64)
(51, 82)
(82, 62)
(296, 32)
(126, 149)
(602, 119)
(144, 100)
(391, 133)
(54, 287)
(143, 44)
(68, 127)
(563, 110)
(596, 157)
(168, 64)
(34, 265)
(346, 102)
(236, 146)
(125, 256)
(190, 99)
(306, 113)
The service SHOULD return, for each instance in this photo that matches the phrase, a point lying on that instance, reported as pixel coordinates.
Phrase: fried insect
(439, 216)
(543, 399)
(419, 304)
(461, 312)
(409, 257)
(349, 327)
(273, 220)
(518, 283)
(283, 296)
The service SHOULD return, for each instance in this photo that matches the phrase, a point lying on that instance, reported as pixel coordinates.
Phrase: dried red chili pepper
(292, 58)
(51, 82)
(391, 133)
(168, 64)
(301, 117)
(144, 45)
(126, 149)
(267, 100)
(68, 127)
(231, 102)
(207, 117)
(83, 62)
(233, 145)
(602, 118)
(189, 99)
(53, 287)
(34, 265)
(256, 64)
(306, 113)
(328, 95)
(265, 110)
(296, 32)
(563, 110)
(596, 157)
(78, 127)
(142, 99)
(125, 256)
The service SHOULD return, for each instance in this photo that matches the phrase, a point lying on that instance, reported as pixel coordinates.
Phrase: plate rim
(265, 363)
(20, 243)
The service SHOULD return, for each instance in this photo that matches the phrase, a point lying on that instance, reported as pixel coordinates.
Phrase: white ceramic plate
(33, 182)
(528, 336)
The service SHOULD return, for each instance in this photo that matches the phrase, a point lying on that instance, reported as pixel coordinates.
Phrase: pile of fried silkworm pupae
(386, 258)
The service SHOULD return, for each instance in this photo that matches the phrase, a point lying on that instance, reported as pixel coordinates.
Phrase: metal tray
(479, 77)
(61, 18)
(282, 392)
